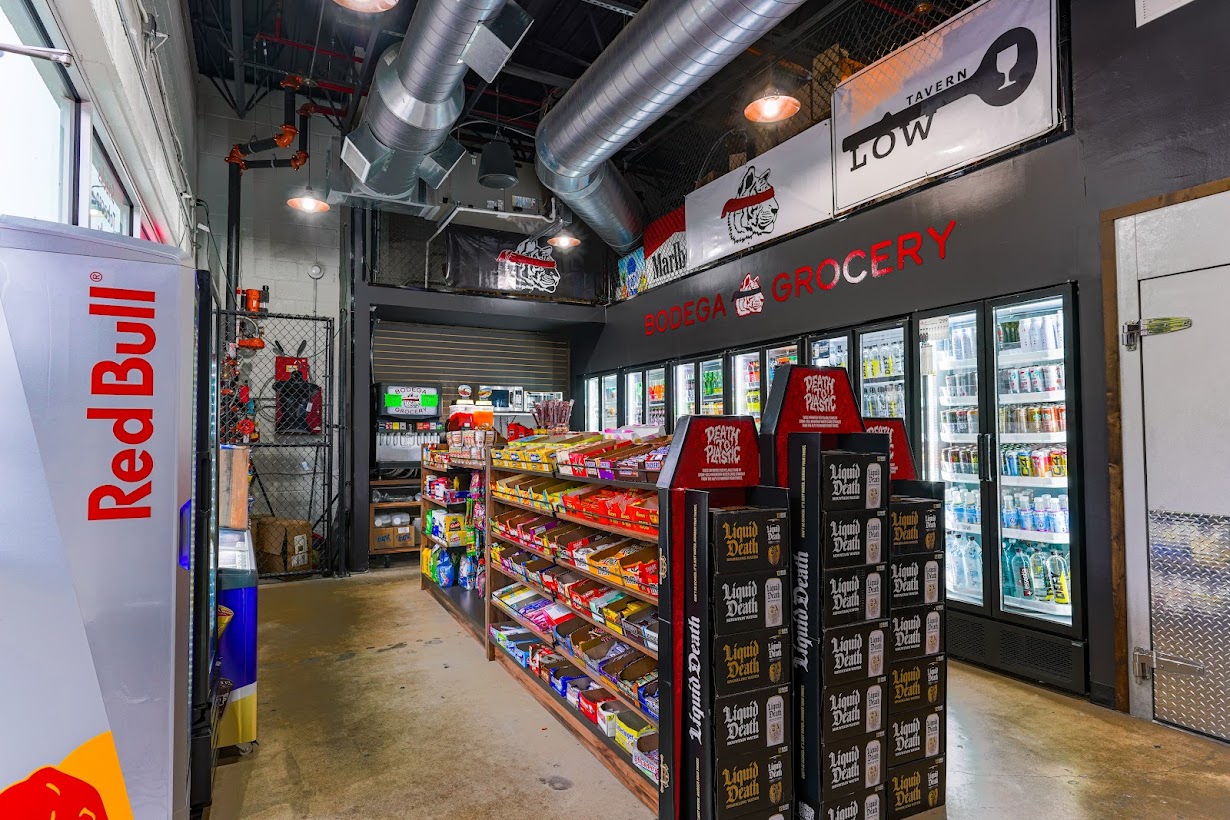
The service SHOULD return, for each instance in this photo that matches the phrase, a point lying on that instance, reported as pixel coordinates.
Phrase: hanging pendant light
(307, 201)
(564, 241)
(774, 102)
(367, 6)
(497, 168)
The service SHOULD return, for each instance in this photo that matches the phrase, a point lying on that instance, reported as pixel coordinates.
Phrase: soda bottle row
(1040, 378)
(965, 506)
(657, 391)
(962, 343)
(959, 422)
(1036, 573)
(963, 561)
(960, 384)
(710, 383)
(1038, 462)
(884, 400)
(1033, 333)
(960, 460)
(1033, 418)
(1036, 513)
(883, 360)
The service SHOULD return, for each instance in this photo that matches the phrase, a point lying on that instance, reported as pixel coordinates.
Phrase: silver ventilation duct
(664, 54)
(418, 93)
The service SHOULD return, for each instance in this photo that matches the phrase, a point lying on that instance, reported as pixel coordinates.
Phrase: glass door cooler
(831, 350)
(776, 357)
(883, 365)
(1031, 413)
(684, 394)
(745, 377)
(610, 402)
(634, 397)
(655, 395)
(998, 427)
(949, 355)
(712, 384)
(593, 404)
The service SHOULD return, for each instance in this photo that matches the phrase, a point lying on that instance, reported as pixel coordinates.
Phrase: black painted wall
(1151, 116)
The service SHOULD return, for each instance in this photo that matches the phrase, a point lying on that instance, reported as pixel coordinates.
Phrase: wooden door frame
(1114, 413)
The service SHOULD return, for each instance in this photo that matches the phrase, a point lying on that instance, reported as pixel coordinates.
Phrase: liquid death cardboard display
(869, 678)
(728, 693)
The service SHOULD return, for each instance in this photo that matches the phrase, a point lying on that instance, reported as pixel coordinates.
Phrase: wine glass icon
(1005, 61)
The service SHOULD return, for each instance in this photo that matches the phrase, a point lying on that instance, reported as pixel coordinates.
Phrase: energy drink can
(1061, 419)
(1023, 379)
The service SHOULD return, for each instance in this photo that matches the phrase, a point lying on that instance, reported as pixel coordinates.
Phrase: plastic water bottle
(973, 564)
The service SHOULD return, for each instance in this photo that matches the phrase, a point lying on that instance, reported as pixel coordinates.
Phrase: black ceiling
(319, 40)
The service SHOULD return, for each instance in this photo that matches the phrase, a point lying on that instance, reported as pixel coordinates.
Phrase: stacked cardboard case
(738, 690)
(917, 674)
(842, 636)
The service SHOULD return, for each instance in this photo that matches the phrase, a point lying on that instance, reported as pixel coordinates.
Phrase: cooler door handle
(984, 459)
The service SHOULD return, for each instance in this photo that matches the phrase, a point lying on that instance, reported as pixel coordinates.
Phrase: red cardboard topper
(711, 452)
(804, 399)
(900, 456)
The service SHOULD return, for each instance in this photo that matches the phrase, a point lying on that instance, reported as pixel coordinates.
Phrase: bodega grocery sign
(754, 292)
(975, 86)
(784, 189)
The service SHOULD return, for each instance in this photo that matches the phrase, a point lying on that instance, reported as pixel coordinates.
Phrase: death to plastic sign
(983, 82)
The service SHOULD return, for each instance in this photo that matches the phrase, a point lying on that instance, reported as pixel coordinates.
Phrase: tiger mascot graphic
(753, 211)
(530, 267)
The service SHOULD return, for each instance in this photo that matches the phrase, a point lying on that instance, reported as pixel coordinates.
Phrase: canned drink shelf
(1031, 438)
(959, 438)
(1033, 398)
(1033, 481)
(1015, 358)
(959, 478)
(1038, 537)
(958, 401)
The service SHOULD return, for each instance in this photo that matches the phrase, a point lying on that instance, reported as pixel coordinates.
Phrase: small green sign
(430, 400)
(392, 400)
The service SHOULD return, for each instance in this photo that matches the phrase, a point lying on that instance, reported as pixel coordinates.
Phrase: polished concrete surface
(375, 703)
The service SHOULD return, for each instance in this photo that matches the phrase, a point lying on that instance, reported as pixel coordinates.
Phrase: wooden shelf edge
(623, 768)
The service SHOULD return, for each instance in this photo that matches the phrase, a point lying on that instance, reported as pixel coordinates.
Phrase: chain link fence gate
(276, 389)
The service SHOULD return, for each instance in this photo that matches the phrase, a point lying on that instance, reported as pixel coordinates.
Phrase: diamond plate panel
(1189, 558)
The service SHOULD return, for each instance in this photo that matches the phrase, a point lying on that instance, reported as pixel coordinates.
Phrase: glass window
(36, 148)
(110, 207)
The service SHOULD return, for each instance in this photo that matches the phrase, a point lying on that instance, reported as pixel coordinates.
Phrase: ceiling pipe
(662, 55)
(418, 93)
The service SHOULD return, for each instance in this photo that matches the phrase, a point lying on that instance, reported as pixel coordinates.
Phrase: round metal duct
(496, 166)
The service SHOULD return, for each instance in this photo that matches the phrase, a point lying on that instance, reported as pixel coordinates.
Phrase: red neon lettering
(123, 506)
(719, 307)
(687, 313)
(910, 252)
(663, 321)
(676, 317)
(878, 256)
(802, 279)
(782, 279)
(121, 384)
(123, 294)
(648, 324)
(132, 466)
(121, 416)
(942, 239)
(845, 271)
(148, 338)
(836, 274)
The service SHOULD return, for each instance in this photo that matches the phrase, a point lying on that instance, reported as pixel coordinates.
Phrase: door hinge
(1145, 659)
(1132, 331)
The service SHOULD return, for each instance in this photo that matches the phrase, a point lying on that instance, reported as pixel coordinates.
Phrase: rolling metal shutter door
(465, 355)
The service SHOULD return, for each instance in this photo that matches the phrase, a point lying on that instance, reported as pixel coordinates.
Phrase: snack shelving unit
(579, 628)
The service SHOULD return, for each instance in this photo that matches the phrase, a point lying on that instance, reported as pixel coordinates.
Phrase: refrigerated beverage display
(779, 356)
(745, 370)
(593, 405)
(656, 395)
(610, 401)
(634, 398)
(685, 390)
(830, 352)
(884, 391)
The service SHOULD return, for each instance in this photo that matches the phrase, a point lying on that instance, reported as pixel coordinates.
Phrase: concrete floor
(375, 703)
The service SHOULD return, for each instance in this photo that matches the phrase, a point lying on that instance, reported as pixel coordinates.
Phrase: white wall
(279, 244)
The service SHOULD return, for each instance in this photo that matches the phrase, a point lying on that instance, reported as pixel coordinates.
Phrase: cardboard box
(916, 632)
(853, 538)
(748, 603)
(917, 683)
(284, 545)
(851, 709)
(751, 660)
(856, 804)
(752, 720)
(917, 525)
(847, 653)
(852, 595)
(915, 787)
(383, 539)
(916, 735)
(748, 539)
(233, 487)
(915, 580)
(852, 763)
(754, 786)
(853, 481)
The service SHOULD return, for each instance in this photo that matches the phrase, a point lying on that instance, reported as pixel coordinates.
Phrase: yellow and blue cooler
(237, 637)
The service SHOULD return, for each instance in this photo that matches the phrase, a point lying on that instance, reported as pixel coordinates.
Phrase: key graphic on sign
(1001, 78)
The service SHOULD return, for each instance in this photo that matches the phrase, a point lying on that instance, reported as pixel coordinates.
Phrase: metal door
(1186, 401)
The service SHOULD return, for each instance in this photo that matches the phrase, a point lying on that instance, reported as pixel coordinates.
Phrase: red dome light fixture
(564, 241)
(307, 201)
(772, 106)
(367, 6)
